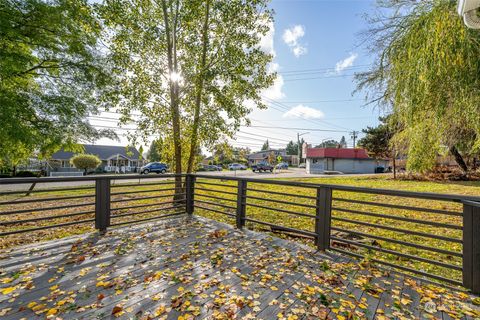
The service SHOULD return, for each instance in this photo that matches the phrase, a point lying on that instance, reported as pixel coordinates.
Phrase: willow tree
(190, 68)
(52, 76)
(427, 75)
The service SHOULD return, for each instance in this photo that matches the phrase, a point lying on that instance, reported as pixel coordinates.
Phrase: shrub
(26, 174)
(85, 162)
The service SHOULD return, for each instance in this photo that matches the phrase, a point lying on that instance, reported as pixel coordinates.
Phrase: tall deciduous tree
(192, 68)
(427, 75)
(52, 75)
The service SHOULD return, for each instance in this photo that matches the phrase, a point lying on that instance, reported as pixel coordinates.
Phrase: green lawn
(270, 214)
(384, 182)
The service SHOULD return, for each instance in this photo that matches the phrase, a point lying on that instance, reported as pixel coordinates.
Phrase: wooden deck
(195, 268)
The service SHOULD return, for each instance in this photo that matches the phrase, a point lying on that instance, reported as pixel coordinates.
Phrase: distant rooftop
(338, 153)
(103, 152)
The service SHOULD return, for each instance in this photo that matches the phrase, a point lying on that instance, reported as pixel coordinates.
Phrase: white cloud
(266, 41)
(291, 38)
(299, 50)
(303, 112)
(345, 63)
(275, 91)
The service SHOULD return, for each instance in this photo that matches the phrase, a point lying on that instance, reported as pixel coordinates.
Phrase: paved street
(290, 173)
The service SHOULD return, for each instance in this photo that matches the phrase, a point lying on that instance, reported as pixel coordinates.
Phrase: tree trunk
(174, 95)
(394, 156)
(459, 159)
(199, 92)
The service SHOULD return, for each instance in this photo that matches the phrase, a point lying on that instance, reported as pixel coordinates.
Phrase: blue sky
(321, 40)
(316, 48)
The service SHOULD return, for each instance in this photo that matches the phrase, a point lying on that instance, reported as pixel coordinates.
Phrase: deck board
(201, 269)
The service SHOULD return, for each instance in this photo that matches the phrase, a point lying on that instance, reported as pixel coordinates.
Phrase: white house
(345, 160)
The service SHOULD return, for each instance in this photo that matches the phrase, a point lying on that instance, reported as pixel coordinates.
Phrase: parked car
(262, 166)
(236, 166)
(211, 167)
(282, 165)
(380, 169)
(154, 167)
(302, 165)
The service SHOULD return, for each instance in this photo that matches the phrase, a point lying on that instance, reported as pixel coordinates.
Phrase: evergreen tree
(266, 146)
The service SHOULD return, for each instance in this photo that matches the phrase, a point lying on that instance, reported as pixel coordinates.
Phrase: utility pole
(354, 137)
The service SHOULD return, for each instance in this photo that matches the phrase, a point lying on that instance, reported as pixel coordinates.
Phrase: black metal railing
(427, 234)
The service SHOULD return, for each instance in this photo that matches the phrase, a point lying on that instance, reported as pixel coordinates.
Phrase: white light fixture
(469, 10)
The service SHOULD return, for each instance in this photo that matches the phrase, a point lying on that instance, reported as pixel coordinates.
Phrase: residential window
(66, 164)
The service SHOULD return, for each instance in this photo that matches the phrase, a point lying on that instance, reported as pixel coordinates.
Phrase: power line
(287, 108)
(321, 69)
(318, 101)
(320, 77)
(295, 128)
(259, 135)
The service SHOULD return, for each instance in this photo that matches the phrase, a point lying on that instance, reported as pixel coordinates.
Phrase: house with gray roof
(115, 159)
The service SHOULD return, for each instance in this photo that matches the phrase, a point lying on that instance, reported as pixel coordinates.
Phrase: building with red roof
(345, 160)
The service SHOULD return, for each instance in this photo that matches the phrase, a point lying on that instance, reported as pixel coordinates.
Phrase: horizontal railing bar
(148, 219)
(46, 227)
(12, 202)
(216, 184)
(5, 223)
(47, 208)
(142, 191)
(422, 273)
(213, 197)
(281, 210)
(85, 178)
(397, 206)
(216, 204)
(147, 205)
(284, 202)
(217, 191)
(399, 193)
(142, 212)
(399, 254)
(282, 193)
(145, 198)
(217, 211)
(387, 216)
(422, 234)
(408, 244)
(47, 190)
(306, 233)
(126, 185)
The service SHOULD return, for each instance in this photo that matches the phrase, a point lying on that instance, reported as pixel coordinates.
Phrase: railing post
(102, 204)
(323, 217)
(241, 203)
(190, 193)
(471, 246)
